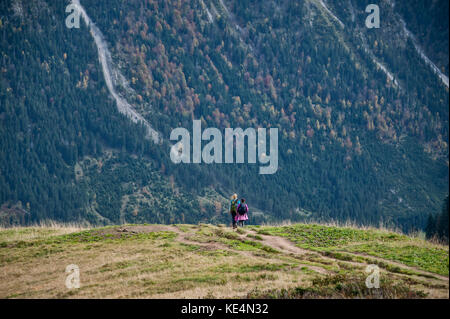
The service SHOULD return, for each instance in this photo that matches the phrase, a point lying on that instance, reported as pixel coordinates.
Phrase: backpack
(233, 205)
(242, 210)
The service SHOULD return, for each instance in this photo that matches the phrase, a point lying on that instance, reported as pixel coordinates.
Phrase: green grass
(341, 242)
(319, 236)
(432, 259)
(257, 237)
(89, 236)
(184, 228)
(249, 245)
(8, 234)
(216, 261)
(99, 235)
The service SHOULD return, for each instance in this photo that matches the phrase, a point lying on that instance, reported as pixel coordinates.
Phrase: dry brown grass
(39, 231)
(197, 263)
(134, 269)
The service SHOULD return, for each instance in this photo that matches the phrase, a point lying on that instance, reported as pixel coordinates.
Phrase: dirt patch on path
(283, 245)
(143, 229)
(286, 247)
(182, 237)
(128, 231)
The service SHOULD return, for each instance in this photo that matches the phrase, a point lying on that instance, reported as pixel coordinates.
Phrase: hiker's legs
(233, 220)
(241, 223)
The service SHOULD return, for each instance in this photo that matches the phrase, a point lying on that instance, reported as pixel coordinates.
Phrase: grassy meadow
(206, 261)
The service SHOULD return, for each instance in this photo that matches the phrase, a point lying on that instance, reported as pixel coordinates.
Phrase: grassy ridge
(388, 245)
(179, 261)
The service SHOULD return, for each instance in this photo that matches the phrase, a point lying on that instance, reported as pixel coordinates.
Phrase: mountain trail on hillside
(421, 52)
(281, 244)
(288, 247)
(285, 247)
(112, 75)
(324, 6)
(203, 261)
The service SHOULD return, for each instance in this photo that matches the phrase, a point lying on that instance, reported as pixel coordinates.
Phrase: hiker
(242, 211)
(233, 209)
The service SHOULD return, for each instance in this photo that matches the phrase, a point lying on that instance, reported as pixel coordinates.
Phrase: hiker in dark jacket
(233, 209)
(242, 211)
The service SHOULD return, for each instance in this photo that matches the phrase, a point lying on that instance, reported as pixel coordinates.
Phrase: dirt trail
(278, 243)
(182, 238)
(113, 76)
(286, 247)
(283, 245)
(125, 200)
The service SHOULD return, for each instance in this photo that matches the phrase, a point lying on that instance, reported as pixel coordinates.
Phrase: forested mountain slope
(362, 115)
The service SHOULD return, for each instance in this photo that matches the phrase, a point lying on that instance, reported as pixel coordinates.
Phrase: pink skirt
(241, 217)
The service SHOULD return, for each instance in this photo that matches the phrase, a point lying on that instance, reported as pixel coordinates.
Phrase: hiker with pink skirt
(242, 211)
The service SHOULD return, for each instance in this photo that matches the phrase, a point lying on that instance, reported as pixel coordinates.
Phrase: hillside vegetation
(362, 117)
(206, 261)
